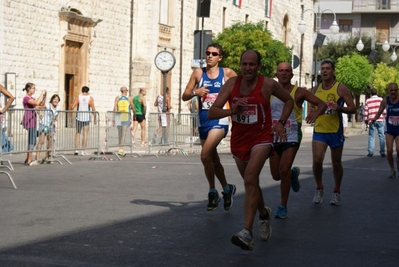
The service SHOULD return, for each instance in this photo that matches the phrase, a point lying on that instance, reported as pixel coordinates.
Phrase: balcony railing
(375, 6)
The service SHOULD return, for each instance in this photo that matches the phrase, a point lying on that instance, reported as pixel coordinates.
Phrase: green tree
(384, 75)
(242, 36)
(355, 72)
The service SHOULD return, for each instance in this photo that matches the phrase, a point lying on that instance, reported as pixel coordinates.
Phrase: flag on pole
(268, 11)
(237, 2)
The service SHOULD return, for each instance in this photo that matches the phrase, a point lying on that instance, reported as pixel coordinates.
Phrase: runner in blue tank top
(206, 101)
(205, 85)
(391, 104)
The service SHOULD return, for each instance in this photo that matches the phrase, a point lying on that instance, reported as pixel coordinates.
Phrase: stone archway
(75, 37)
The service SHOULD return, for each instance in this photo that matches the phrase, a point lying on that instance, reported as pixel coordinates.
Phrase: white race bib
(248, 115)
(393, 120)
(164, 121)
(208, 100)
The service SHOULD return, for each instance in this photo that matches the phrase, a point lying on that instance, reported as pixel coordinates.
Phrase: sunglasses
(215, 54)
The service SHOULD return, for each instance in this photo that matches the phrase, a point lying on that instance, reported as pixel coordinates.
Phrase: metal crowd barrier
(167, 132)
(118, 134)
(187, 130)
(18, 131)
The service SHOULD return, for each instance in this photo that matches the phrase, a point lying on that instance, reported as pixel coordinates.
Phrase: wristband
(282, 122)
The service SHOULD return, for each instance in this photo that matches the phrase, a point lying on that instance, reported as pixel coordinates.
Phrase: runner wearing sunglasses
(205, 84)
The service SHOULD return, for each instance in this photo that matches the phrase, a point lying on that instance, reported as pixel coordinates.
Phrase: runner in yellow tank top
(328, 130)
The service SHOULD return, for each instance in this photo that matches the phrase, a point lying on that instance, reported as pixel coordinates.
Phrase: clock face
(165, 61)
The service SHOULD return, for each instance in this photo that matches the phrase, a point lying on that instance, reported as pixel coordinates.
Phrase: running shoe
(213, 201)
(35, 163)
(76, 153)
(264, 229)
(281, 212)
(243, 239)
(228, 197)
(392, 175)
(294, 179)
(318, 196)
(335, 199)
(121, 153)
(84, 153)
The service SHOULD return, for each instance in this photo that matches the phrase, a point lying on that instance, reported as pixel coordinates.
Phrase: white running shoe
(243, 239)
(318, 196)
(335, 199)
(264, 229)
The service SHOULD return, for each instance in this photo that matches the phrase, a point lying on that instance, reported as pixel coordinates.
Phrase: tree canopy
(242, 36)
(355, 72)
(383, 76)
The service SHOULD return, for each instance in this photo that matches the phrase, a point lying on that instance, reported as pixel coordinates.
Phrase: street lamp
(385, 45)
(394, 56)
(334, 28)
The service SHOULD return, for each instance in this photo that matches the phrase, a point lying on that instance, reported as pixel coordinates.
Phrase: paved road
(151, 211)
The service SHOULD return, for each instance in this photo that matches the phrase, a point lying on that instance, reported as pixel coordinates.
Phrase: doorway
(73, 76)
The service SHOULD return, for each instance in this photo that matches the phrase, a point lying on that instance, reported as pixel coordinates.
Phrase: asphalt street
(151, 211)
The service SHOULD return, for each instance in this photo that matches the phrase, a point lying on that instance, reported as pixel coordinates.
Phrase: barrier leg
(9, 177)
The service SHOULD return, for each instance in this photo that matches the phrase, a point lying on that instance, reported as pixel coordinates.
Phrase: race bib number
(393, 120)
(164, 121)
(287, 126)
(249, 115)
(329, 109)
(208, 100)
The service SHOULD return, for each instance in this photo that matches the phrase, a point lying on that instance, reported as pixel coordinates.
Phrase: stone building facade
(63, 45)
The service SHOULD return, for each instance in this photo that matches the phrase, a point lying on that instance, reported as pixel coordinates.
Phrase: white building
(63, 45)
(377, 19)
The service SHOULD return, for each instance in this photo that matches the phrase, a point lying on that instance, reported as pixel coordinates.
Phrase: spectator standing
(139, 108)
(163, 117)
(47, 116)
(370, 110)
(29, 119)
(122, 113)
(84, 103)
